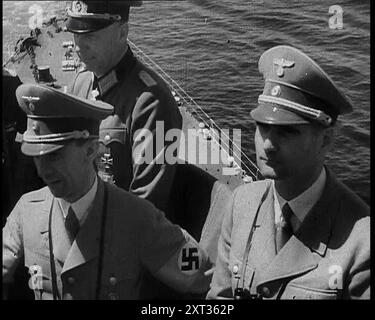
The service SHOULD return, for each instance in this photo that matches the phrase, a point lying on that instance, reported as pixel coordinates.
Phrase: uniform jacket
(140, 98)
(137, 237)
(328, 257)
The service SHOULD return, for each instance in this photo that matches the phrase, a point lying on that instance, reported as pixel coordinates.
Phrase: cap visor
(274, 114)
(85, 25)
(39, 149)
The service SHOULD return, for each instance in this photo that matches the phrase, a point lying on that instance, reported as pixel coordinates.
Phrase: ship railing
(216, 132)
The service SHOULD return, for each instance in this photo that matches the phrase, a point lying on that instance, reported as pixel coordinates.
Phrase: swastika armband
(190, 258)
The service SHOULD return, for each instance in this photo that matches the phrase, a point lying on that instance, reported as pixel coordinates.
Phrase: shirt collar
(302, 204)
(82, 205)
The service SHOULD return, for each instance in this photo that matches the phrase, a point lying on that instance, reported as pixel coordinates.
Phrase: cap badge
(30, 100)
(282, 63)
(274, 109)
(79, 7)
(276, 90)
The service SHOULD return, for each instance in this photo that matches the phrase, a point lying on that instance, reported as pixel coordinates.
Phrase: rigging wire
(189, 100)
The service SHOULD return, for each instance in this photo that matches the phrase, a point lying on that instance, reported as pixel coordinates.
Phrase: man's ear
(123, 32)
(327, 138)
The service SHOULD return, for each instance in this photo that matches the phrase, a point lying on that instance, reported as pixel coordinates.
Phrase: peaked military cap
(297, 90)
(55, 118)
(89, 16)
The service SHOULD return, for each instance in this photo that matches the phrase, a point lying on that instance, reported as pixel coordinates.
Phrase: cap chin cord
(57, 137)
(314, 114)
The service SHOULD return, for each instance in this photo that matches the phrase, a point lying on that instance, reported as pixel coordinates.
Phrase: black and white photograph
(192, 151)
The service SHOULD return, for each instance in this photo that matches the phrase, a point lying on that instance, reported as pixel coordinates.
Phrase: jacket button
(113, 296)
(266, 292)
(71, 280)
(112, 281)
(235, 269)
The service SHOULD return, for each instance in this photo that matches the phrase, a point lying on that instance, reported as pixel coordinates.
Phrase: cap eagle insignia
(281, 64)
(30, 100)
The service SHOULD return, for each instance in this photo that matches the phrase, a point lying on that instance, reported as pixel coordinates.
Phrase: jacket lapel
(297, 256)
(86, 245)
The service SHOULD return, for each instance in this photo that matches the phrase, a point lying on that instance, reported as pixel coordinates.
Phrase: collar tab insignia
(107, 82)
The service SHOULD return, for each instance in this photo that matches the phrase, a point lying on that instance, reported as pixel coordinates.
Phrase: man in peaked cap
(140, 97)
(90, 16)
(81, 237)
(141, 100)
(300, 233)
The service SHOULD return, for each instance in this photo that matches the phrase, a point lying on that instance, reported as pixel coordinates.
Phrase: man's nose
(270, 141)
(268, 145)
(76, 47)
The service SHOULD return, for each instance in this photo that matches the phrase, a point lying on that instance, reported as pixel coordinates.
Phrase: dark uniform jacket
(140, 98)
(328, 257)
(136, 237)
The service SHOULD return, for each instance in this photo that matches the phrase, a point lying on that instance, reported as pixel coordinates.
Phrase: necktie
(284, 228)
(71, 224)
